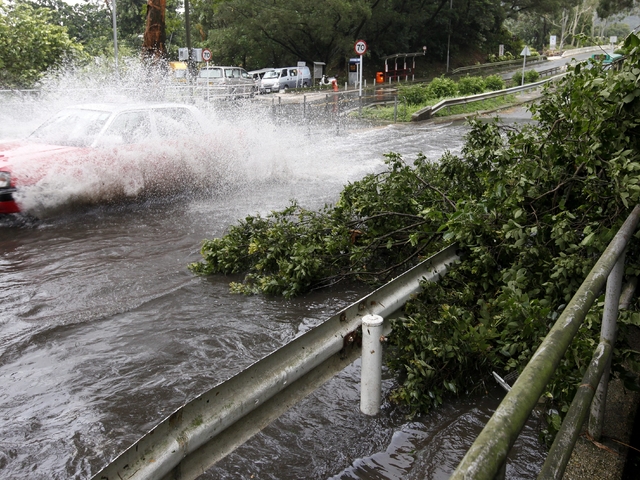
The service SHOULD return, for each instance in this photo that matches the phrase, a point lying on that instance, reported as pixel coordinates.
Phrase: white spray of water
(241, 145)
(246, 142)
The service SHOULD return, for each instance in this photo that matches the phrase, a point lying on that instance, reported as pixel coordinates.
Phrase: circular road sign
(206, 54)
(360, 47)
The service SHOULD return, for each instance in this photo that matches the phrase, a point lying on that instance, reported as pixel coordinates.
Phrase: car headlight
(5, 179)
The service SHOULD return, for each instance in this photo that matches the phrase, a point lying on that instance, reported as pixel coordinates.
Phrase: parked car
(258, 74)
(285, 78)
(226, 81)
(103, 152)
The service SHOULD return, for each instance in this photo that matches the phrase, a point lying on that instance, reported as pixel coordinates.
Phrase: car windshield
(72, 127)
(211, 73)
(271, 74)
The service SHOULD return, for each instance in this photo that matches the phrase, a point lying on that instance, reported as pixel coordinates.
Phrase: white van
(285, 78)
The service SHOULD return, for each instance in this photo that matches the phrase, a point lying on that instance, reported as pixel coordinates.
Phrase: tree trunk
(153, 46)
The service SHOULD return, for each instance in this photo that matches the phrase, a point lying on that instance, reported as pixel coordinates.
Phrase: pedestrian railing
(486, 459)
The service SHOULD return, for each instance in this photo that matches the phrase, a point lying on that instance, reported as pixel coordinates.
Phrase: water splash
(244, 143)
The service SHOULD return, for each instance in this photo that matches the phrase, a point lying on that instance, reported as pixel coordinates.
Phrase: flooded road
(104, 332)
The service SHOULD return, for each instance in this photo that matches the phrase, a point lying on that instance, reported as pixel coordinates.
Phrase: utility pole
(115, 33)
(187, 25)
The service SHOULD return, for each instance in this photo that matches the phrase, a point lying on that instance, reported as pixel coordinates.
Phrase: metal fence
(486, 459)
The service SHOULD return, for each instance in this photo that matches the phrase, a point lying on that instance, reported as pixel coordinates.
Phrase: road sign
(525, 51)
(360, 47)
(206, 55)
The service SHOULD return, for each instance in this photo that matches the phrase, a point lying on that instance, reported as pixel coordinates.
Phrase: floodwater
(104, 332)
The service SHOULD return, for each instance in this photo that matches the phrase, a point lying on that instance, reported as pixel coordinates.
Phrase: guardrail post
(371, 378)
(608, 334)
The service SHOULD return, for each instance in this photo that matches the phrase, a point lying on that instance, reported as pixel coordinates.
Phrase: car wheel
(285, 88)
(305, 85)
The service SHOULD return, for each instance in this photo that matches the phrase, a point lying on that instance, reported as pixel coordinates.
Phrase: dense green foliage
(37, 36)
(530, 76)
(494, 82)
(441, 87)
(30, 44)
(531, 207)
(261, 33)
(471, 85)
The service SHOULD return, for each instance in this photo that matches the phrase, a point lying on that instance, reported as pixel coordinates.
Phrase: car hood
(22, 150)
(26, 160)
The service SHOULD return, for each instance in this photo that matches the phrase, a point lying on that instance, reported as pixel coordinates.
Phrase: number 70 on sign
(360, 47)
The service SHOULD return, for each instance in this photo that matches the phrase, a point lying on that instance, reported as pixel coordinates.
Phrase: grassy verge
(404, 111)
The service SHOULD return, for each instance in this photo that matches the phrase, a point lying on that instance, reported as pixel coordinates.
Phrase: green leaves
(30, 44)
(537, 207)
(533, 208)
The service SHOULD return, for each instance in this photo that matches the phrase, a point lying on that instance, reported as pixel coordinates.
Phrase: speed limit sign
(360, 47)
(206, 54)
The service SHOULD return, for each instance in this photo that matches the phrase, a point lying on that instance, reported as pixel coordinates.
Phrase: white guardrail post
(371, 383)
(209, 427)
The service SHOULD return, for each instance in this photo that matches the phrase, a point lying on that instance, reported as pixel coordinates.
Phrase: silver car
(226, 81)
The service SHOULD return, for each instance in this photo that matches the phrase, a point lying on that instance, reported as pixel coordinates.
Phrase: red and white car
(98, 153)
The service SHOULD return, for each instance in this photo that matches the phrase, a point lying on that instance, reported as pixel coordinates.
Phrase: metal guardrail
(595, 48)
(486, 458)
(206, 429)
(551, 71)
(505, 63)
(428, 112)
